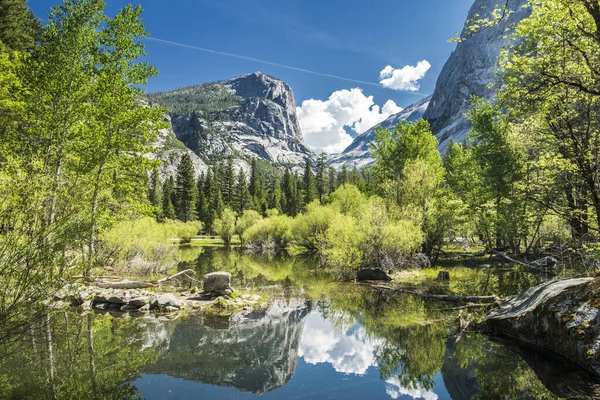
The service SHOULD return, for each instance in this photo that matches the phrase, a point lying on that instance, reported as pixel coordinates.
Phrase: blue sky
(353, 39)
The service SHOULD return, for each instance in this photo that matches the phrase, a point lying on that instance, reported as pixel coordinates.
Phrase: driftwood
(512, 260)
(140, 284)
(441, 297)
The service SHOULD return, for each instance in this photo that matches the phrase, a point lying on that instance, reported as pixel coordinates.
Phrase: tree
(243, 200)
(332, 181)
(19, 28)
(343, 177)
(244, 222)
(155, 193)
(310, 191)
(551, 80)
(225, 225)
(408, 141)
(185, 189)
(256, 186)
(321, 179)
(168, 193)
(202, 203)
(228, 183)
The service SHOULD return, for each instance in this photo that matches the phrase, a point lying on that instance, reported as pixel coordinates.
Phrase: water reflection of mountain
(255, 352)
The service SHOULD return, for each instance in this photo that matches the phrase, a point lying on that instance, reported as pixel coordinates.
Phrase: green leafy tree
(225, 225)
(244, 222)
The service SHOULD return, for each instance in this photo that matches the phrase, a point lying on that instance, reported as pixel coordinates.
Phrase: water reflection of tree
(499, 373)
(74, 357)
(413, 332)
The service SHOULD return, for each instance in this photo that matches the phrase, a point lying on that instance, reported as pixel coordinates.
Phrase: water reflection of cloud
(394, 389)
(348, 351)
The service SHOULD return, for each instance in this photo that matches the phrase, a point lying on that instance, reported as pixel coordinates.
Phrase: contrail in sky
(242, 57)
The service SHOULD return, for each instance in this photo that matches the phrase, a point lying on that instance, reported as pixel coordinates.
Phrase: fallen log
(441, 297)
(530, 265)
(125, 284)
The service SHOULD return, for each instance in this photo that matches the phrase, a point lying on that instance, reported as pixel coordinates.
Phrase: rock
(255, 117)
(217, 282)
(171, 309)
(101, 306)
(228, 292)
(544, 263)
(485, 266)
(99, 298)
(443, 276)
(116, 300)
(114, 306)
(420, 261)
(559, 315)
(144, 308)
(162, 301)
(138, 302)
(372, 274)
(128, 307)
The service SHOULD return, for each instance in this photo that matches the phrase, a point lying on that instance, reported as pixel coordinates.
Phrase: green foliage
(244, 222)
(207, 98)
(144, 246)
(19, 28)
(185, 190)
(225, 225)
(309, 227)
(270, 233)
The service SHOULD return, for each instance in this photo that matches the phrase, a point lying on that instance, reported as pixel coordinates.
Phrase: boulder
(544, 263)
(372, 274)
(161, 302)
(116, 300)
(420, 261)
(559, 315)
(217, 282)
(138, 302)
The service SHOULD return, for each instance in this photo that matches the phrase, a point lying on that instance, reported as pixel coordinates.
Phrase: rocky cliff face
(359, 154)
(250, 116)
(469, 71)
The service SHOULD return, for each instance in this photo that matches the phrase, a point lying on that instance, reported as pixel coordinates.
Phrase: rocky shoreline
(217, 297)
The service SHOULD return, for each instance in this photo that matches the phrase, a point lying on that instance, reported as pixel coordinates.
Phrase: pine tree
(202, 204)
(343, 177)
(185, 188)
(155, 193)
(168, 191)
(228, 185)
(320, 180)
(274, 196)
(19, 28)
(256, 187)
(332, 181)
(243, 200)
(308, 184)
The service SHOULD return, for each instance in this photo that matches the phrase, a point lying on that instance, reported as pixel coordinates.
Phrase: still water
(316, 340)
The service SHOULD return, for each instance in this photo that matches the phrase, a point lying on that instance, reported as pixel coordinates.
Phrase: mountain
(469, 71)
(359, 154)
(250, 116)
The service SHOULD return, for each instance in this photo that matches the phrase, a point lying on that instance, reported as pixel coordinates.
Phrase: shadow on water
(319, 340)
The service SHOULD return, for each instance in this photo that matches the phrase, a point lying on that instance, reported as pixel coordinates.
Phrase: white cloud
(349, 352)
(324, 123)
(404, 78)
(394, 389)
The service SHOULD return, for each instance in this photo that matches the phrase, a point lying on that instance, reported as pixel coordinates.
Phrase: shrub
(341, 246)
(244, 222)
(225, 226)
(270, 233)
(308, 228)
(145, 246)
(348, 200)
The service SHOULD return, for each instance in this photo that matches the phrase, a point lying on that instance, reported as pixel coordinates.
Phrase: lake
(317, 339)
